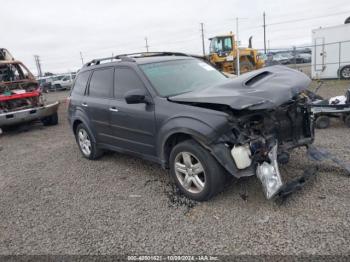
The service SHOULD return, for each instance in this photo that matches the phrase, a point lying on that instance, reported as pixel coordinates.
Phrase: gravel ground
(53, 201)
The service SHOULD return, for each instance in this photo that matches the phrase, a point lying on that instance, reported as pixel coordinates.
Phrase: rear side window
(125, 80)
(101, 83)
(80, 83)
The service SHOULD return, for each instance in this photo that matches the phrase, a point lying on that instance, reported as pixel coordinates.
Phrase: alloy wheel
(84, 142)
(190, 172)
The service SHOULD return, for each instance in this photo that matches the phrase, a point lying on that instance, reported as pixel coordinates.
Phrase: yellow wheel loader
(223, 55)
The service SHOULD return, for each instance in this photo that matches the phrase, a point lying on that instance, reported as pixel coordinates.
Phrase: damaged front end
(260, 139)
(21, 98)
(269, 114)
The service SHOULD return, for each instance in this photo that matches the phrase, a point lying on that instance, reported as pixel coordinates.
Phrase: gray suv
(180, 112)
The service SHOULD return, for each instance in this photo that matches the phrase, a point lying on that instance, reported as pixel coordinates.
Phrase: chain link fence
(319, 61)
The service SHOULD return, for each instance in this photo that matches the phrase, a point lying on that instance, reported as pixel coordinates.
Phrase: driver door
(132, 125)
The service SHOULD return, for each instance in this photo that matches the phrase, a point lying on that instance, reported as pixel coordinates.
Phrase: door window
(80, 83)
(101, 83)
(126, 79)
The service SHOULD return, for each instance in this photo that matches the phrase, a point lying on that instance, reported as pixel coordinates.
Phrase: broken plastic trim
(320, 154)
(296, 184)
(316, 154)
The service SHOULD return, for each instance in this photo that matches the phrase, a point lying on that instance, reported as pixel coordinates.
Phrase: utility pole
(203, 46)
(81, 57)
(264, 33)
(38, 66)
(238, 69)
(147, 46)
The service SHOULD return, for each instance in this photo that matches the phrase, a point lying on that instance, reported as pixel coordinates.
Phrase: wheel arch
(82, 120)
(170, 142)
(170, 136)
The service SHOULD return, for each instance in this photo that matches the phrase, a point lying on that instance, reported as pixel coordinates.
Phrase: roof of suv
(138, 58)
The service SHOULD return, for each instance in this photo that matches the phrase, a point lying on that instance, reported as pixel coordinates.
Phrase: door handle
(84, 104)
(113, 109)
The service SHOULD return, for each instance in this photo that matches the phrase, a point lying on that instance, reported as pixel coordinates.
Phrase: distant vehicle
(278, 59)
(331, 52)
(284, 58)
(44, 83)
(262, 56)
(20, 96)
(303, 58)
(56, 82)
(62, 82)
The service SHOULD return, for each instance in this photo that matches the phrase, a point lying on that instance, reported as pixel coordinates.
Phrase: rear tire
(345, 72)
(195, 171)
(51, 120)
(85, 143)
(322, 122)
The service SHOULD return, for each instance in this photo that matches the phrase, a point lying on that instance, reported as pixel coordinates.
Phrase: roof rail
(130, 57)
(118, 57)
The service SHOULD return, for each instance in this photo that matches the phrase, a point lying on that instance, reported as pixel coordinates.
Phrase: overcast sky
(57, 30)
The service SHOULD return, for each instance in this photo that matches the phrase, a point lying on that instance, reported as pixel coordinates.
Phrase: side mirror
(136, 96)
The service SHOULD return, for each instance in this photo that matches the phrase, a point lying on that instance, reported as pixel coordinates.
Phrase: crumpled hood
(265, 88)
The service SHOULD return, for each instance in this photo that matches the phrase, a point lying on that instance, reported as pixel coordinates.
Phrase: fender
(198, 129)
(81, 116)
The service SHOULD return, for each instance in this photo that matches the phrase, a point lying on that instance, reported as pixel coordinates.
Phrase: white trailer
(331, 52)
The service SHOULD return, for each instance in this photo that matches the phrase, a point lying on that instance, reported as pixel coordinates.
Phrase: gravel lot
(53, 201)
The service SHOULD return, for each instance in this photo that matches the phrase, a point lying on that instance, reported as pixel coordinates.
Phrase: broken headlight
(269, 174)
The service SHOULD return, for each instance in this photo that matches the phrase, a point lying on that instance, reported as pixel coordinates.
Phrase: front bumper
(27, 115)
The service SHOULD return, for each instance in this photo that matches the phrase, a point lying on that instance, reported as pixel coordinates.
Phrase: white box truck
(331, 52)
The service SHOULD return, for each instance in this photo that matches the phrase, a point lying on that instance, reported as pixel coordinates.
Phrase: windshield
(181, 76)
(13, 72)
(221, 44)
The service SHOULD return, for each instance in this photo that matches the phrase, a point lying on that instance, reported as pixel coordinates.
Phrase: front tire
(195, 171)
(51, 120)
(85, 142)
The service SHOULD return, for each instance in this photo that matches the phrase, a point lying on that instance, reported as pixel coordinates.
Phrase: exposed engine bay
(261, 139)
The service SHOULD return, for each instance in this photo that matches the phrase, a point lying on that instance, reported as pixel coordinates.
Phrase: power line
(305, 19)
(297, 20)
